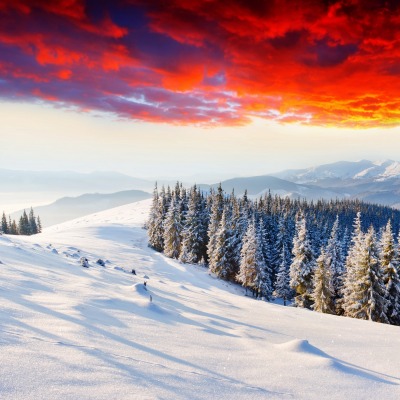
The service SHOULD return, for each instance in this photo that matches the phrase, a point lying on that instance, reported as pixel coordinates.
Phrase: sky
(181, 88)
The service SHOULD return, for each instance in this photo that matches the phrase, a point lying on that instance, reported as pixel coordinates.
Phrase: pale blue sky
(40, 137)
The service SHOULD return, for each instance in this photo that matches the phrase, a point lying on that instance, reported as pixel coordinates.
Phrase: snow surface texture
(68, 332)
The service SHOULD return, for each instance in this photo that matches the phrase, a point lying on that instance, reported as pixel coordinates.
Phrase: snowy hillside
(68, 332)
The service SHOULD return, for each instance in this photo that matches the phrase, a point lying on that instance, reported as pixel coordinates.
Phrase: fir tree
(14, 228)
(23, 225)
(172, 231)
(193, 234)
(323, 291)
(282, 284)
(349, 277)
(4, 224)
(265, 272)
(155, 223)
(335, 261)
(390, 273)
(215, 219)
(39, 225)
(221, 262)
(32, 223)
(368, 290)
(301, 269)
(251, 257)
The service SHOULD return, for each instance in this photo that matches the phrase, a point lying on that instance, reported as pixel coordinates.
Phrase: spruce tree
(302, 267)
(323, 293)
(265, 271)
(172, 230)
(215, 219)
(391, 280)
(14, 228)
(335, 261)
(155, 222)
(282, 284)
(32, 223)
(346, 303)
(221, 262)
(4, 224)
(368, 290)
(193, 235)
(39, 225)
(250, 257)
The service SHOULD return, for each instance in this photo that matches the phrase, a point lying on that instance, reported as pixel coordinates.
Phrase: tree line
(338, 257)
(27, 224)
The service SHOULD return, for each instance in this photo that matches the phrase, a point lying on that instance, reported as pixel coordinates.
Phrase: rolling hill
(68, 208)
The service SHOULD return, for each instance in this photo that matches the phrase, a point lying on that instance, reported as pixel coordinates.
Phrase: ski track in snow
(69, 332)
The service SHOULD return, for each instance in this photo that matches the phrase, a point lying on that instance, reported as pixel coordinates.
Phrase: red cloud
(208, 62)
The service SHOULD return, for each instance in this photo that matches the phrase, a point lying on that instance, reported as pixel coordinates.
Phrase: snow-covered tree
(252, 261)
(335, 261)
(391, 280)
(193, 234)
(215, 218)
(282, 283)
(238, 228)
(302, 267)
(367, 300)
(172, 231)
(155, 223)
(349, 277)
(221, 261)
(264, 271)
(323, 291)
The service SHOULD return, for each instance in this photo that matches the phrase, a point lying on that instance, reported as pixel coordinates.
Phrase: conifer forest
(339, 257)
(27, 224)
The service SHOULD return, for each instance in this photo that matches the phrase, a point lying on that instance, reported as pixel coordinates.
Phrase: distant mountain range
(69, 182)
(23, 189)
(68, 208)
(374, 182)
(359, 171)
(258, 185)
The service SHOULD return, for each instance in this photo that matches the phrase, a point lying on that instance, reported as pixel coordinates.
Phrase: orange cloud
(208, 62)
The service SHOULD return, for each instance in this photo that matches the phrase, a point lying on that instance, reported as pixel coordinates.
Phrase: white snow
(363, 169)
(68, 332)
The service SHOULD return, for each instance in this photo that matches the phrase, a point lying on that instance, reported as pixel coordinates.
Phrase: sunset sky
(181, 87)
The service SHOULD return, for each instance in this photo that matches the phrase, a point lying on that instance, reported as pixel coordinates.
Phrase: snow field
(68, 332)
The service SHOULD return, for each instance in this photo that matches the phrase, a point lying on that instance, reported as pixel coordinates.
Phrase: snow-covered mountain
(68, 332)
(344, 170)
(374, 182)
(259, 185)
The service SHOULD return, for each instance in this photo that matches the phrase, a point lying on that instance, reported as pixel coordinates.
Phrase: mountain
(326, 174)
(69, 182)
(23, 189)
(259, 185)
(374, 182)
(68, 208)
(69, 332)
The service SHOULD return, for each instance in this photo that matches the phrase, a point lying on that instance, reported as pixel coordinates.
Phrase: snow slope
(68, 332)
